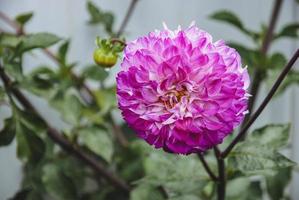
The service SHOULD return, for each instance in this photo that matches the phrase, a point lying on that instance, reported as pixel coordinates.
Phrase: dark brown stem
(273, 21)
(267, 99)
(206, 166)
(126, 18)
(61, 141)
(221, 183)
(257, 76)
(116, 40)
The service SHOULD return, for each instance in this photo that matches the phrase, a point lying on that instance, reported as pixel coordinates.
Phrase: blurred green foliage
(254, 168)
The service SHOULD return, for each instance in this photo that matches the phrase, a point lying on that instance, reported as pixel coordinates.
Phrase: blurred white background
(67, 18)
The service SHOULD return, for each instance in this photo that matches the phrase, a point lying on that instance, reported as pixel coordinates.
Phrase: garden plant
(188, 103)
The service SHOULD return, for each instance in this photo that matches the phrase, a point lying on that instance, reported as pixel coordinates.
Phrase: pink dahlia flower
(181, 91)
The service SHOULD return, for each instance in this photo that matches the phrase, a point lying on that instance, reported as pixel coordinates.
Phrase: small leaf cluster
(98, 16)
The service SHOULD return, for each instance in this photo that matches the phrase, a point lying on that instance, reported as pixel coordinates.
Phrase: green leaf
(95, 73)
(273, 136)
(100, 17)
(7, 134)
(108, 20)
(57, 184)
(186, 197)
(98, 141)
(146, 192)
(23, 18)
(94, 12)
(252, 158)
(228, 17)
(276, 184)
(2, 94)
(21, 195)
(70, 108)
(232, 19)
(105, 100)
(290, 30)
(277, 61)
(41, 81)
(291, 79)
(62, 52)
(9, 40)
(179, 175)
(15, 70)
(30, 146)
(242, 188)
(38, 40)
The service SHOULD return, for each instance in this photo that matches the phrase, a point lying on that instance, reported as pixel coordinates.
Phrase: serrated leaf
(8, 132)
(273, 136)
(290, 30)
(146, 192)
(251, 158)
(98, 141)
(38, 40)
(57, 184)
(276, 184)
(95, 73)
(179, 175)
(24, 18)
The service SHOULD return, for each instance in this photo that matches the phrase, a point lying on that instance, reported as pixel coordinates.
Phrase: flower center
(174, 96)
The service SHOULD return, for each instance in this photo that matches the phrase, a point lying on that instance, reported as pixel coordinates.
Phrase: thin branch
(271, 27)
(267, 99)
(257, 79)
(126, 18)
(206, 166)
(61, 141)
(221, 184)
(89, 160)
(11, 23)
